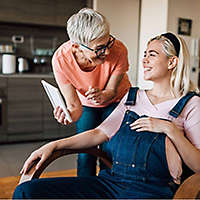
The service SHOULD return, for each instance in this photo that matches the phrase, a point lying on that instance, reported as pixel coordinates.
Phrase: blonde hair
(180, 82)
(86, 26)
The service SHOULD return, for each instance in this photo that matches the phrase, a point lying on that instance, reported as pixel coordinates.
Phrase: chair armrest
(34, 173)
(190, 188)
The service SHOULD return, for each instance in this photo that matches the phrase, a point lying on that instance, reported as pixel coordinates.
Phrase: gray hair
(180, 78)
(86, 26)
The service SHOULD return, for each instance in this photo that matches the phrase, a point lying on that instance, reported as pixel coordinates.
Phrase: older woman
(151, 134)
(90, 70)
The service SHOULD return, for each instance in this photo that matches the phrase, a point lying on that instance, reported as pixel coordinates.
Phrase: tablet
(56, 98)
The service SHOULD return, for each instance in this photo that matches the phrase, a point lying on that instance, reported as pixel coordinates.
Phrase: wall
(153, 22)
(189, 10)
(124, 20)
(184, 9)
(159, 16)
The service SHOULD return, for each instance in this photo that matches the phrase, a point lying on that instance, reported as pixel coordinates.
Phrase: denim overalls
(139, 158)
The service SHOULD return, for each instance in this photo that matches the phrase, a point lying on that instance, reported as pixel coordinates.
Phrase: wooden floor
(8, 184)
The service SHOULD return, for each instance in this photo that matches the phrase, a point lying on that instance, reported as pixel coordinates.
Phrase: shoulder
(194, 101)
(120, 47)
(118, 54)
(62, 56)
(63, 50)
(118, 50)
(192, 108)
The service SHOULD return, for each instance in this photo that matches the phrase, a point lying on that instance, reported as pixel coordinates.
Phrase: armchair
(189, 189)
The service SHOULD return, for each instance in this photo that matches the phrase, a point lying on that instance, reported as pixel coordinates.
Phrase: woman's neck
(160, 93)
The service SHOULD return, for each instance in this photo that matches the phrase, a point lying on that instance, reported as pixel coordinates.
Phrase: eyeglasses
(101, 51)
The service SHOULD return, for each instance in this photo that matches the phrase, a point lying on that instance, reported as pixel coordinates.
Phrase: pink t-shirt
(67, 71)
(188, 120)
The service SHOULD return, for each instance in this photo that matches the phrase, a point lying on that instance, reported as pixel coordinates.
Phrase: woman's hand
(42, 154)
(98, 97)
(154, 125)
(60, 116)
(95, 95)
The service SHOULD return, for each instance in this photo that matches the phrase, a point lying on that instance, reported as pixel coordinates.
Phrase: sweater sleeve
(192, 121)
(58, 64)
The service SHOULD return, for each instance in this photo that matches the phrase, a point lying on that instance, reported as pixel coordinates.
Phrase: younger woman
(151, 134)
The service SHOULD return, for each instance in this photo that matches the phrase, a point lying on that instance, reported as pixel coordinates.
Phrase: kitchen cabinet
(46, 12)
(29, 112)
(3, 83)
(24, 108)
(3, 109)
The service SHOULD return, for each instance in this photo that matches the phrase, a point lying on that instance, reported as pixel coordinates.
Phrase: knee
(19, 192)
(23, 191)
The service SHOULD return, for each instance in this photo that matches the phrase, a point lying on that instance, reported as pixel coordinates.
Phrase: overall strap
(177, 109)
(131, 96)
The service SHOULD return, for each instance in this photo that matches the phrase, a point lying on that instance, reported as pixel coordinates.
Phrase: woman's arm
(73, 103)
(188, 152)
(84, 140)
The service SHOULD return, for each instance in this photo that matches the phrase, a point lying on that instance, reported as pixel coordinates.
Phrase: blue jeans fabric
(91, 118)
(105, 186)
(64, 188)
(139, 171)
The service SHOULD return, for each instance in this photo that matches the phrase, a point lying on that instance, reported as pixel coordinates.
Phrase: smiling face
(156, 64)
